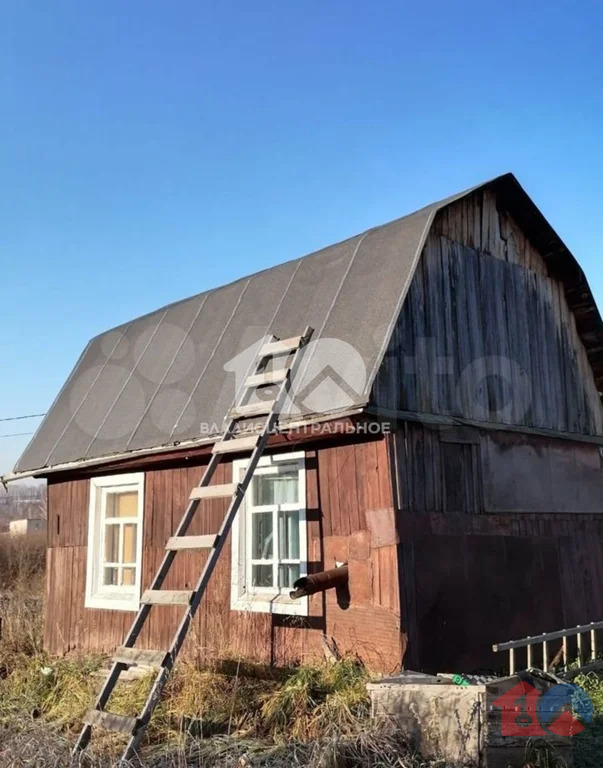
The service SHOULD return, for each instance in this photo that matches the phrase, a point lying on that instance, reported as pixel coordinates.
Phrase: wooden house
(445, 440)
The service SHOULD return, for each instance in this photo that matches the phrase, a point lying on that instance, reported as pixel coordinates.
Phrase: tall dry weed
(22, 565)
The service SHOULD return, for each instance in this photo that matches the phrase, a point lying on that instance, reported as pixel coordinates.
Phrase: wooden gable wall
(485, 333)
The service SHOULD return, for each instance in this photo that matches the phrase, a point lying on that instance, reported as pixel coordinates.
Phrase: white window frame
(243, 597)
(99, 595)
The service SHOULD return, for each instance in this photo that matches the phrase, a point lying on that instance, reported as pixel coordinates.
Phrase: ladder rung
(280, 347)
(236, 444)
(213, 491)
(253, 409)
(192, 542)
(111, 721)
(281, 353)
(268, 377)
(166, 597)
(140, 657)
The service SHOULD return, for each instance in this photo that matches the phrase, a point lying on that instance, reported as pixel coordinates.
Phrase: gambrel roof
(150, 383)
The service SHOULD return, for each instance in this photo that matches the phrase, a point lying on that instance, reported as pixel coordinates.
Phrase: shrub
(317, 701)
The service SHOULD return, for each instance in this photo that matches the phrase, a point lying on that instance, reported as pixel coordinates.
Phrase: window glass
(273, 534)
(122, 504)
(288, 575)
(276, 489)
(111, 577)
(129, 546)
(111, 543)
(288, 535)
(269, 542)
(261, 575)
(261, 535)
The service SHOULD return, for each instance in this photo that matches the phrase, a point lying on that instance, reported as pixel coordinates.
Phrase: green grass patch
(588, 745)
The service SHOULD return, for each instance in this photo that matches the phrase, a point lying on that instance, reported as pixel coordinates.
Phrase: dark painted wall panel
(471, 580)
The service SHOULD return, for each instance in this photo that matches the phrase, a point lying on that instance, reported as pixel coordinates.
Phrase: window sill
(112, 602)
(280, 604)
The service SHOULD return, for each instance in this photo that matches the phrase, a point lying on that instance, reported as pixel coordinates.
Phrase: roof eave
(110, 458)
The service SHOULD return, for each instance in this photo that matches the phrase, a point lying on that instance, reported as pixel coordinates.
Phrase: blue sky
(150, 150)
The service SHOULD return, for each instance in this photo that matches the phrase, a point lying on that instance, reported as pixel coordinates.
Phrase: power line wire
(18, 418)
(17, 434)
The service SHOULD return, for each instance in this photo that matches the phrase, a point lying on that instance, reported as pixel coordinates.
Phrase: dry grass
(230, 715)
(318, 701)
(308, 703)
(315, 717)
(378, 747)
(280, 716)
(22, 563)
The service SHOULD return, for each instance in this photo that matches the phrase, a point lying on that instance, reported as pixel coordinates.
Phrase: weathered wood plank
(110, 721)
(283, 346)
(236, 445)
(269, 377)
(206, 541)
(501, 331)
(213, 491)
(166, 596)
(140, 657)
(252, 409)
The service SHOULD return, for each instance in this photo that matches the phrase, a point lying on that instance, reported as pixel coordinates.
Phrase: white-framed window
(114, 558)
(269, 541)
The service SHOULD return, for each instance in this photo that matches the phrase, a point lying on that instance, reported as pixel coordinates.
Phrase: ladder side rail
(183, 629)
(259, 362)
(168, 558)
(182, 632)
(160, 575)
(101, 700)
(144, 610)
(548, 636)
(236, 502)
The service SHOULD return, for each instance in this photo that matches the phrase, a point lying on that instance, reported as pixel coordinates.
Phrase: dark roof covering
(153, 381)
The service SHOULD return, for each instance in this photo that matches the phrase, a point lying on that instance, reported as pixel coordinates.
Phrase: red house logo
(526, 711)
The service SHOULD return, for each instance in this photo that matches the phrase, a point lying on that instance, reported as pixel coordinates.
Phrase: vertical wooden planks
(347, 509)
(344, 480)
(498, 326)
(323, 492)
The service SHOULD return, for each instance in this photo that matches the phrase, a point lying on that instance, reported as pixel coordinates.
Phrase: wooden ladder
(231, 442)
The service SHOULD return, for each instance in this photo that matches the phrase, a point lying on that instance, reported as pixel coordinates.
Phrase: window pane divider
(290, 506)
(120, 574)
(275, 546)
